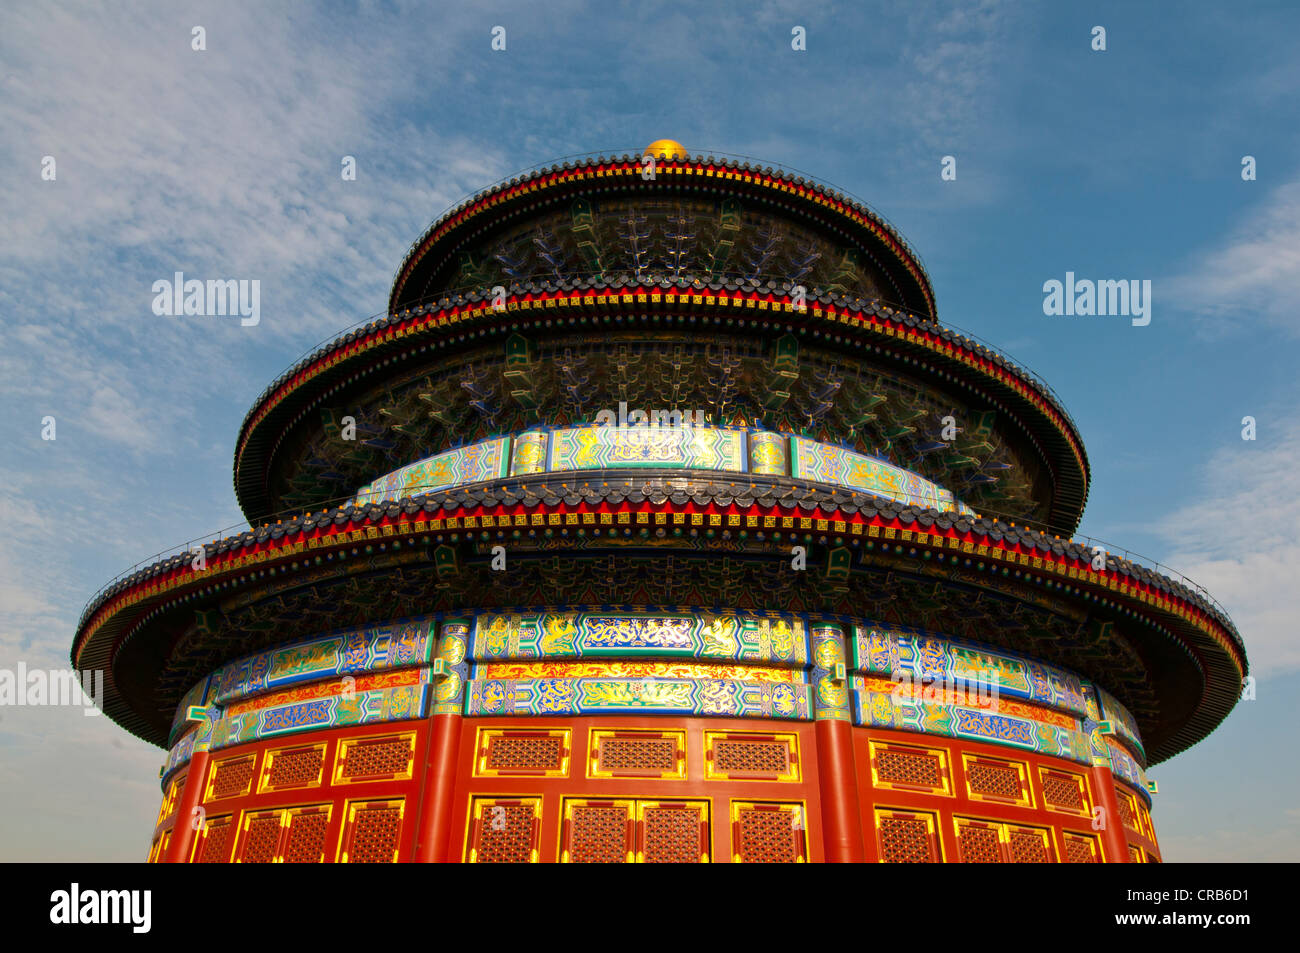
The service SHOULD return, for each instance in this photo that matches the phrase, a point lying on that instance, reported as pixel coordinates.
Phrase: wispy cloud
(218, 163)
(222, 163)
(226, 163)
(1241, 539)
(1251, 279)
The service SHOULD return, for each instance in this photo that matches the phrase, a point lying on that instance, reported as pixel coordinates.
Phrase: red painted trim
(186, 579)
(835, 786)
(767, 302)
(327, 792)
(182, 838)
(841, 812)
(959, 803)
(1113, 838)
(433, 832)
(813, 193)
(718, 791)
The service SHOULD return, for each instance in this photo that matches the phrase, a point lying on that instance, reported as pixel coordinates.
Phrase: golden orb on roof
(667, 148)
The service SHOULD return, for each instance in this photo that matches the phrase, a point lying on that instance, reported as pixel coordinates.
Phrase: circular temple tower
(659, 519)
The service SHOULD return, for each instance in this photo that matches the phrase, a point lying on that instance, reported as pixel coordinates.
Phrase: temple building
(659, 519)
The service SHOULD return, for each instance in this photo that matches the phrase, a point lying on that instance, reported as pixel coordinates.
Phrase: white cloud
(1254, 274)
(219, 164)
(1241, 540)
(223, 163)
(226, 164)
(954, 59)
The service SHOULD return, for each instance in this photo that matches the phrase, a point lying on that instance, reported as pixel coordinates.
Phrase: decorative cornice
(830, 316)
(626, 173)
(649, 503)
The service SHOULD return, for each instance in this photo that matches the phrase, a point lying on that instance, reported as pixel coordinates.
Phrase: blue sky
(225, 163)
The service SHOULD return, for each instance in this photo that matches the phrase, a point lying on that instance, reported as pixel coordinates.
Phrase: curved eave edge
(112, 618)
(901, 332)
(670, 173)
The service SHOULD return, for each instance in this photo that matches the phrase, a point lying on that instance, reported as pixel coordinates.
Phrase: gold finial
(668, 148)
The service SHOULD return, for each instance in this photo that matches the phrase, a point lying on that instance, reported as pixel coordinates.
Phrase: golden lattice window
(371, 832)
(1145, 819)
(522, 753)
(767, 833)
(730, 754)
(293, 768)
(504, 831)
(906, 768)
(305, 843)
(674, 832)
(1029, 845)
(907, 837)
(996, 842)
(214, 841)
(373, 759)
(637, 754)
(1081, 848)
(261, 837)
(616, 831)
(230, 778)
(1063, 791)
(160, 848)
(623, 755)
(751, 757)
(979, 843)
(1127, 811)
(170, 798)
(989, 779)
(597, 832)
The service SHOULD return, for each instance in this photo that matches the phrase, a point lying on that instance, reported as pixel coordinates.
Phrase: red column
(837, 779)
(182, 837)
(1112, 837)
(433, 839)
(433, 831)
